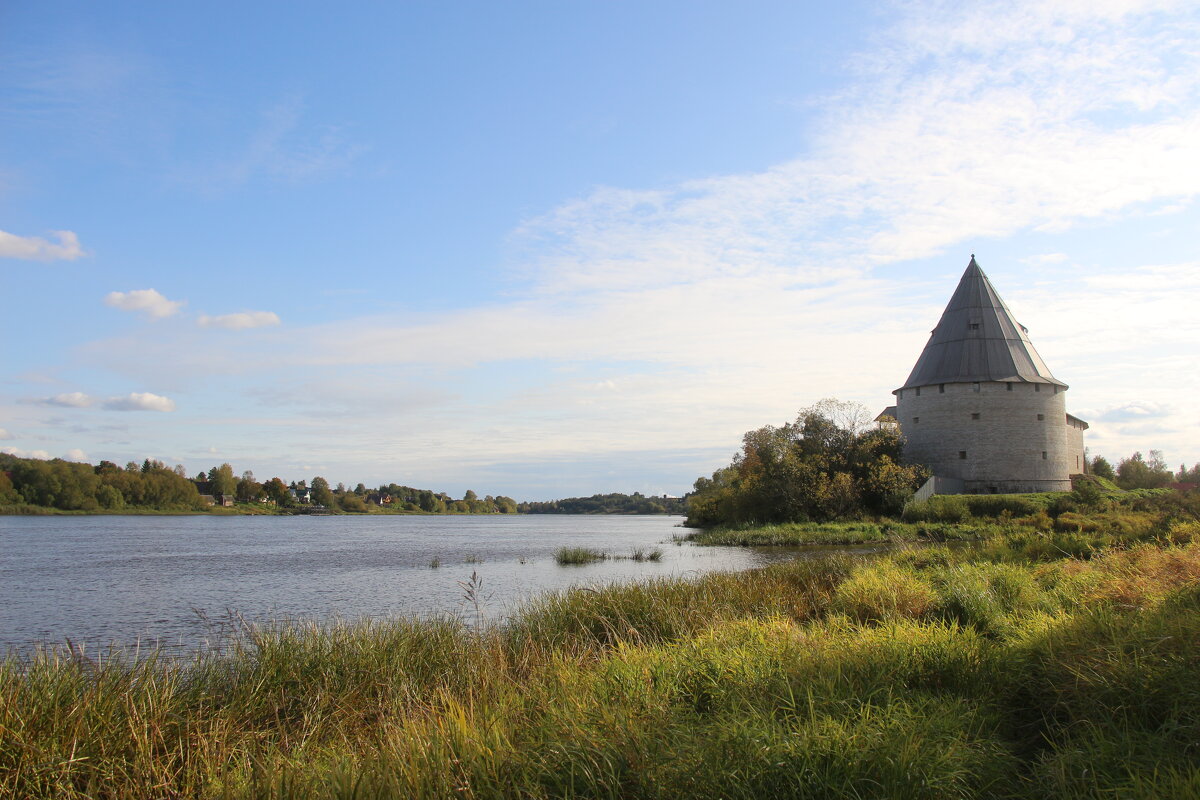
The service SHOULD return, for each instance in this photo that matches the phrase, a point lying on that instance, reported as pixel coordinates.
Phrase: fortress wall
(1076, 456)
(1007, 448)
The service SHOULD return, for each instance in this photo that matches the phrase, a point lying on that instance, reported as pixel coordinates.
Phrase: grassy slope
(1000, 670)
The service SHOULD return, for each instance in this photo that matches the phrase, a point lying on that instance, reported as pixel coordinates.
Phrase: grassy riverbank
(1037, 663)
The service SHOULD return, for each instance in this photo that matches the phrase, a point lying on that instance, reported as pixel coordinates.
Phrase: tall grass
(578, 555)
(993, 670)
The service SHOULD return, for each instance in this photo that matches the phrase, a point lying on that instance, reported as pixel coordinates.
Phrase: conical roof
(977, 339)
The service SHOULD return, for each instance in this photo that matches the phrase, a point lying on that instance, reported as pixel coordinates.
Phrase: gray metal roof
(977, 339)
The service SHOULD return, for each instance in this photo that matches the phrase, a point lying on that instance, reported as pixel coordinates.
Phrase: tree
(321, 493)
(277, 492)
(828, 464)
(221, 481)
(1137, 472)
(8, 494)
(1102, 469)
(248, 489)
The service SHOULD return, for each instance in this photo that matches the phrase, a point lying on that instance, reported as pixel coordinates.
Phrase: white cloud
(69, 400)
(149, 301)
(140, 401)
(1135, 411)
(76, 454)
(5, 435)
(35, 248)
(19, 453)
(240, 320)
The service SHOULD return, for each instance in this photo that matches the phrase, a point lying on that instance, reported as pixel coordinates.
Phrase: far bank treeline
(28, 485)
(31, 486)
(832, 463)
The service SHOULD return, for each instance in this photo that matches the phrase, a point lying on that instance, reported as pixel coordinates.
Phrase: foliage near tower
(828, 464)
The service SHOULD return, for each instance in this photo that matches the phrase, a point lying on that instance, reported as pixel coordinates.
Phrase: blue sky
(549, 249)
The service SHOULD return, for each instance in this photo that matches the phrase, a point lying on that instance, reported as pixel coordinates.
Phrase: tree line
(29, 484)
(1143, 472)
(613, 503)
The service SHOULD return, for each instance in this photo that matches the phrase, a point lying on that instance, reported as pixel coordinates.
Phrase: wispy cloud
(75, 454)
(69, 400)
(134, 401)
(148, 301)
(282, 148)
(239, 320)
(5, 435)
(35, 248)
(140, 401)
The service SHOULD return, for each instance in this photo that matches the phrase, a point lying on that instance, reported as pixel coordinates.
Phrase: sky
(548, 249)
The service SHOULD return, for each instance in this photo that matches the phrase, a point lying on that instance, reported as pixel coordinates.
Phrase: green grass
(797, 534)
(997, 669)
(578, 555)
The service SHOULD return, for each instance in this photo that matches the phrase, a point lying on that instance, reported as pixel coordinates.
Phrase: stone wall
(994, 436)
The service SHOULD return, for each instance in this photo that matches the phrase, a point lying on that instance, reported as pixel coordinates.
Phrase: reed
(578, 555)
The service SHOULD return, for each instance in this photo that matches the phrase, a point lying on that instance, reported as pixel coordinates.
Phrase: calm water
(173, 580)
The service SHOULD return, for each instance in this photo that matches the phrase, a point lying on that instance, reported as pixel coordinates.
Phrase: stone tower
(981, 409)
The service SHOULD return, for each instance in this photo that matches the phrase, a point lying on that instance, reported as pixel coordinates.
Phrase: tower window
(1043, 455)
(941, 388)
(918, 391)
(1009, 386)
(962, 454)
(916, 420)
(1037, 387)
(974, 387)
(975, 415)
(1041, 417)
(974, 326)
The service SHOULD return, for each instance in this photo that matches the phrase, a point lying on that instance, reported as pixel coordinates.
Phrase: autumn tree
(321, 493)
(827, 464)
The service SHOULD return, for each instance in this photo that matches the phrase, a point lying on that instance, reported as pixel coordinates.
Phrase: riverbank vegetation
(829, 464)
(1034, 663)
(612, 503)
(36, 486)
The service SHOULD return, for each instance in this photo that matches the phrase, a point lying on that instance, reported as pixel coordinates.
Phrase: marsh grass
(797, 534)
(993, 670)
(578, 555)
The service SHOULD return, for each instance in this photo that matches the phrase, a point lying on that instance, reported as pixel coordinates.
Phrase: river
(177, 581)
